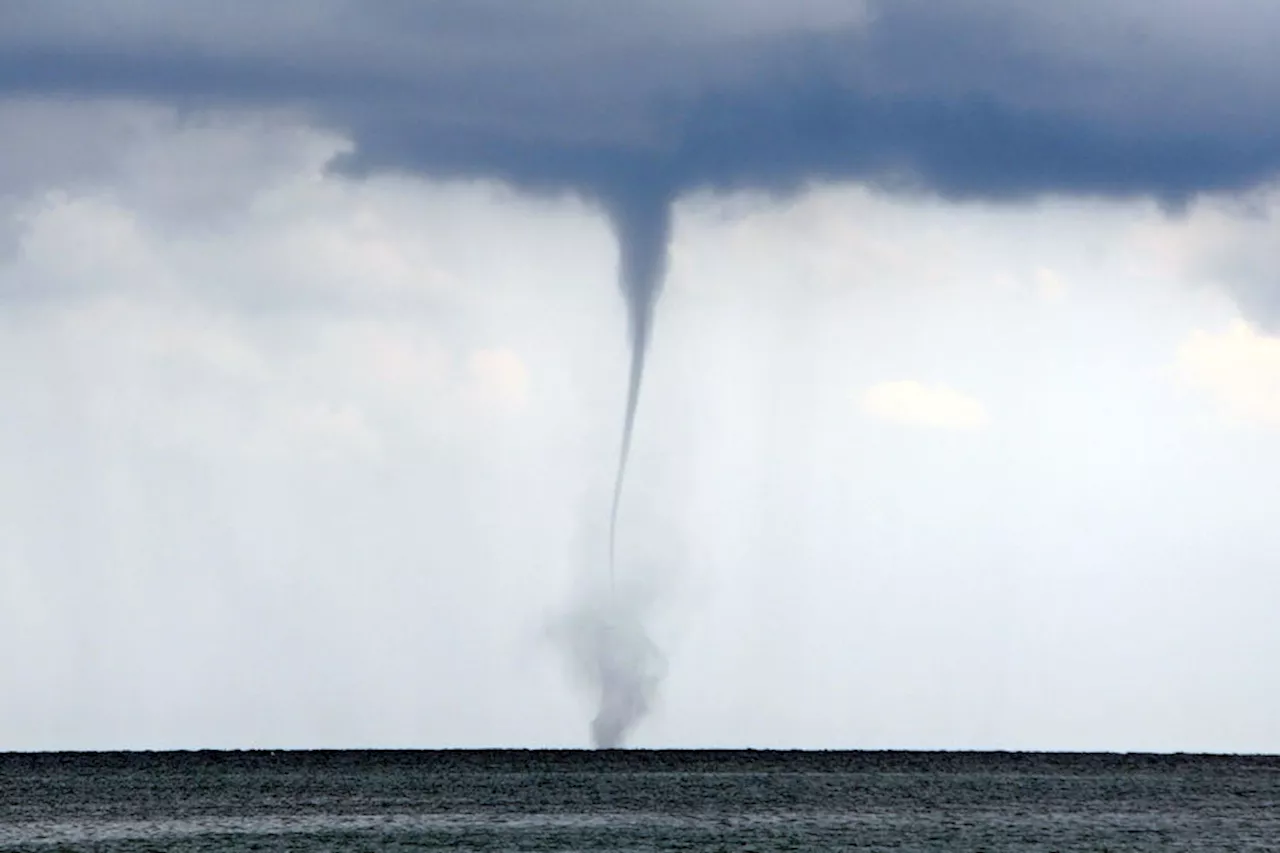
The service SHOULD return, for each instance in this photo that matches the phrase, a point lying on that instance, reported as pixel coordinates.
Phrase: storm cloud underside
(974, 99)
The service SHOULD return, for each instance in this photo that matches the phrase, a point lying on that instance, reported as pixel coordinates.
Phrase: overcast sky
(960, 429)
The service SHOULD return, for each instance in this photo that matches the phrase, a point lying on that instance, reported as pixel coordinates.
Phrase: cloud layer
(974, 98)
(916, 404)
(631, 108)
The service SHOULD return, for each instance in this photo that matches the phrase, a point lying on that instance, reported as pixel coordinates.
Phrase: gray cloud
(987, 98)
(990, 99)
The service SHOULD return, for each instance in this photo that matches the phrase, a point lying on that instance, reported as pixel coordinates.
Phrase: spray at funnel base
(610, 650)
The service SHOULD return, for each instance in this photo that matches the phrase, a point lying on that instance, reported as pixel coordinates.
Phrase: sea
(637, 800)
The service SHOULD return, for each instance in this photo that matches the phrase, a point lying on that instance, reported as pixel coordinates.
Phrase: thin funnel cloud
(642, 224)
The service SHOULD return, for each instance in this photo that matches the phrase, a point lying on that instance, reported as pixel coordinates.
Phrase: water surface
(637, 801)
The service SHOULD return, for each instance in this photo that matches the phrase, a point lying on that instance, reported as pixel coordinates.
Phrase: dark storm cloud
(970, 98)
(628, 103)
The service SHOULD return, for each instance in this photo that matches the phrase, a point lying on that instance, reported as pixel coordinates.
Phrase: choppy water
(514, 800)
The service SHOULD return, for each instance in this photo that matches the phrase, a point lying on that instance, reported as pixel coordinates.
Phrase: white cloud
(499, 379)
(1050, 286)
(915, 404)
(309, 464)
(1239, 368)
